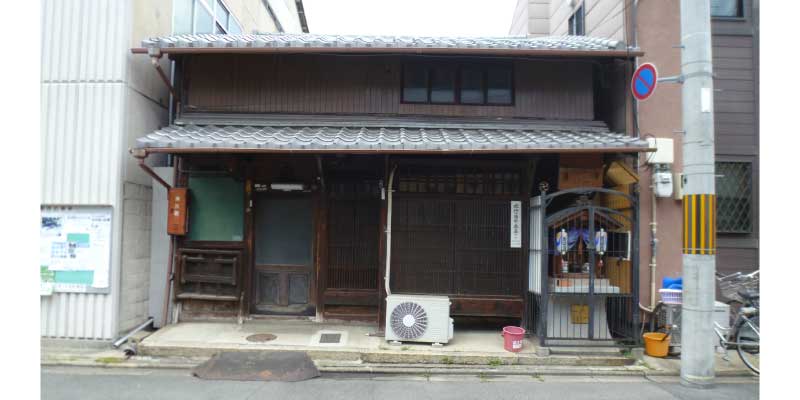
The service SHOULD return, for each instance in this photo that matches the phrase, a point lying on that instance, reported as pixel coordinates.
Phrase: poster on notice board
(75, 249)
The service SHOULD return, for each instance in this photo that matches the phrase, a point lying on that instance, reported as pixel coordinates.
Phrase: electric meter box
(664, 153)
(663, 183)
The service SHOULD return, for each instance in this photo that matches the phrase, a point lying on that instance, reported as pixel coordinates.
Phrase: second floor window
(726, 8)
(471, 84)
(203, 16)
(576, 22)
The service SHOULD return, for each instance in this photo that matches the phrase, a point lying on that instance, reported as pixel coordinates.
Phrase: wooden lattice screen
(450, 234)
(353, 233)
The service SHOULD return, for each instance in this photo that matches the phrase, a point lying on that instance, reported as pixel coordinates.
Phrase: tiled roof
(505, 138)
(317, 41)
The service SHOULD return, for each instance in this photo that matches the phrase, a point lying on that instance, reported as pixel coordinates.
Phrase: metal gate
(583, 278)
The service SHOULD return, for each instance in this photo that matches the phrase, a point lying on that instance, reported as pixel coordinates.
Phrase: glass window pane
(443, 85)
(182, 17)
(472, 85)
(203, 20)
(216, 208)
(415, 84)
(233, 27)
(222, 14)
(218, 29)
(725, 8)
(499, 81)
(283, 230)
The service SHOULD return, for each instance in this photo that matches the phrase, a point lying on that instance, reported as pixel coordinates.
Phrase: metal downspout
(653, 243)
(125, 338)
(389, 232)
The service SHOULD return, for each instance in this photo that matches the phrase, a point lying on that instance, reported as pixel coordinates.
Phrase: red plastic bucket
(512, 338)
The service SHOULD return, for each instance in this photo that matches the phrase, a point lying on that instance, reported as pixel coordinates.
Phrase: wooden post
(322, 251)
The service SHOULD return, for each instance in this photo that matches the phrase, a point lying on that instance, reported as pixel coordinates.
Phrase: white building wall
(82, 98)
(604, 18)
(146, 109)
(519, 22)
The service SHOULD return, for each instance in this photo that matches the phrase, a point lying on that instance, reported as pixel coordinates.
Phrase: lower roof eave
(232, 151)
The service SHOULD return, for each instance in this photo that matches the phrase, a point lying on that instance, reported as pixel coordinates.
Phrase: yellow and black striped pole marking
(699, 224)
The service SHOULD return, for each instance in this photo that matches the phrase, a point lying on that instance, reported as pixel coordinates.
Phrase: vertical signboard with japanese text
(516, 224)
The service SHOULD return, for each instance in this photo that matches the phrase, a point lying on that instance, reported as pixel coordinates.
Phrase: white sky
(410, 17)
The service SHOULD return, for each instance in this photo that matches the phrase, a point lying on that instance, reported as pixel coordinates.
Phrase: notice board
(75, 249)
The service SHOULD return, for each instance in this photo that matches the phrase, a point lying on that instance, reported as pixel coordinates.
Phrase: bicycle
(744, 331)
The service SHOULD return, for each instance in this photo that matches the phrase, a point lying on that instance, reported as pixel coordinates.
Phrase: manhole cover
(330, 337)
(261, 337)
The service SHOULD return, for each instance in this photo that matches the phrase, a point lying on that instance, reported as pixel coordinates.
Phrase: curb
(403, 357)
(409, 369)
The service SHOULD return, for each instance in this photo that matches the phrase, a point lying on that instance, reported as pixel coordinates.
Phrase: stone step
(586, 351)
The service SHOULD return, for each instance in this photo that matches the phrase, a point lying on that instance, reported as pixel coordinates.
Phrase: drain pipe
(125, 338)
(653, 243)
(389, 232)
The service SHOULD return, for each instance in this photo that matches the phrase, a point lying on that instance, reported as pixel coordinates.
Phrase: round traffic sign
(644, 81)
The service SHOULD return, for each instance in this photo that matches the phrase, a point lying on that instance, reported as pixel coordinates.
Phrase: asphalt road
(119, 383)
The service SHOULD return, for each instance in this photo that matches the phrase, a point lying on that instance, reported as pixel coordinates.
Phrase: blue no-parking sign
(644, 81)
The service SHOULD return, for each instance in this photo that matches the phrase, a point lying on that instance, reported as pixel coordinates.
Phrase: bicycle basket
(730, 288)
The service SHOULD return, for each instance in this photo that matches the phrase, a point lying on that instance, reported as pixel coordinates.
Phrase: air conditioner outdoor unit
(418, 318)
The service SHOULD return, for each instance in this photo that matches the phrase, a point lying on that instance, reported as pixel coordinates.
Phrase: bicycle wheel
(749, 339)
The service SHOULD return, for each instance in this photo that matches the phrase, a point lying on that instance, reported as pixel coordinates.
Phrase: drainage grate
(330, 337)
(261, 337)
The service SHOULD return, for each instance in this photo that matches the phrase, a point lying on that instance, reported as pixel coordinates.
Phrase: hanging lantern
(562, 241)
(562, 244)
(601, 241)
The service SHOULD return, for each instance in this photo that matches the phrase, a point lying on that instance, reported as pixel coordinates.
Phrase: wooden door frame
(253, 267)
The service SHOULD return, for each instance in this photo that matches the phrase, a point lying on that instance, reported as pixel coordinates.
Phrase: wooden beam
(351, 297)
(487, 306)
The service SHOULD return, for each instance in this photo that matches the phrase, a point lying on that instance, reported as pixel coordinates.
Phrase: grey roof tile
(350, 138)
(310, 40)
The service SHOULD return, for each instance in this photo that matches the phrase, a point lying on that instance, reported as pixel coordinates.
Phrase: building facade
(97, 98)
(654, 26)
(313, 176)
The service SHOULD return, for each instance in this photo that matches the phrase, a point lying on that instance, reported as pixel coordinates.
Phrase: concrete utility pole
(699, 198)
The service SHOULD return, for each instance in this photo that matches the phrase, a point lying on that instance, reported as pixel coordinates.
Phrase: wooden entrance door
(283, 245)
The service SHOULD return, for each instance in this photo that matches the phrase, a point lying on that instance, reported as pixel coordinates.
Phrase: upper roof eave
(556, 46)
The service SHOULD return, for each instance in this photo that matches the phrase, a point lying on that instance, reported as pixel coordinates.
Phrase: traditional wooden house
(313, 171)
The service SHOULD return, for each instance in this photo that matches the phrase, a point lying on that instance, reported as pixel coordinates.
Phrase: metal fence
(583, 268)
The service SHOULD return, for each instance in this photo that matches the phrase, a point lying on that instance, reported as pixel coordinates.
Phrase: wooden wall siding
(316, 84)
(735, 103)
(736, 100)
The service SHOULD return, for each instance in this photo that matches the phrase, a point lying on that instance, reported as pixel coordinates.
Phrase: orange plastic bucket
(656, 344)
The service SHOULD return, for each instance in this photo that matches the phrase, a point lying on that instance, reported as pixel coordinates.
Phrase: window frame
(458, 67)
(740, 15)
(212, 7)
(572, 28)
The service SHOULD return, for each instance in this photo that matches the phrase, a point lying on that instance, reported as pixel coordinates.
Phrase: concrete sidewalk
(471, 352)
